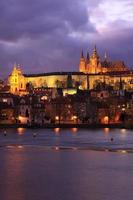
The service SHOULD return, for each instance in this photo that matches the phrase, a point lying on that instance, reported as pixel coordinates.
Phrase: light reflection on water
(21, 131)
(60, 165)
(106, 130)
(32, 173)
(57, 130)
(74, 130)
(80, 138)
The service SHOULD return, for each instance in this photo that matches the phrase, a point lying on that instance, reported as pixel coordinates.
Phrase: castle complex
(93, 65)
(93, 73)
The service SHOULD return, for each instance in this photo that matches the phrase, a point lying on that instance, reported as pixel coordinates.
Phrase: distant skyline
(48, 35)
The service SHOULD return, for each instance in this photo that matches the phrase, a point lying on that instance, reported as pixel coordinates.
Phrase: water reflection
(12, 176)
(106, 130)
(123, 130)
(20, 131)
(124, 133)
(57, 130)
(74, 130)
(73, 137)
(20, 147)
(34, 174)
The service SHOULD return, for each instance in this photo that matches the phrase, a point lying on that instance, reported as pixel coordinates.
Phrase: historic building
(94, 73)
(94, 65)
(17, 81)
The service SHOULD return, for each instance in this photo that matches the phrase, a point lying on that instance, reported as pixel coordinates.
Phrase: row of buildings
(100, 92)
(51, 106)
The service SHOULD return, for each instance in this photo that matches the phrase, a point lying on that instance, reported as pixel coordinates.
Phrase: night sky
(48, 35)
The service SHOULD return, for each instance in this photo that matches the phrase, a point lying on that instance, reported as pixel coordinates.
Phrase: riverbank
(65, 126)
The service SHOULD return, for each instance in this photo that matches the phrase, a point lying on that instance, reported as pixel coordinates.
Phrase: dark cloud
(49, 35)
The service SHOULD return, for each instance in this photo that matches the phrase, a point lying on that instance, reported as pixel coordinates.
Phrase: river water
(69, 164)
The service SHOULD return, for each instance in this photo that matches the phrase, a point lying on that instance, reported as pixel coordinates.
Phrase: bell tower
(94, 65)
(17, 81)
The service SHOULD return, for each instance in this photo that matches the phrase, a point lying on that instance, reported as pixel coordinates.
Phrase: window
(4, 100)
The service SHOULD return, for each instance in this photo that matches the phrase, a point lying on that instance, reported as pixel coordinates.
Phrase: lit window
(5, 100)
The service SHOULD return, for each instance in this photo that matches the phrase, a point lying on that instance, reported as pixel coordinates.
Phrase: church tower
(94, 64)
(82, 64)
(17, 81)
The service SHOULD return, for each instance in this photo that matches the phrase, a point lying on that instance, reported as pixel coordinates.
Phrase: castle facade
(94, 73)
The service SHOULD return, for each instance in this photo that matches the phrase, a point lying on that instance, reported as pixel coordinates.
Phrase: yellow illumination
(74, 117)
(69, 91)
(106, 130)
(57, 130)
(21, 131)
(74, 130)
(23, 120)
(106, 120)
(57, 118)
(44, 98)
(123, 151)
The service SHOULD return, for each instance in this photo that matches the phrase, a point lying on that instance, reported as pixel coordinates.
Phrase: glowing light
(23, 120)
(69, 91)
(21, 131)
(123, 130)
(57, 130)
(20, 146)
(74, 117)
(56, 117)
(5, 100)
(74, 130)
(123, 151)
(56, 148)
(105, 120)
(44, 98)
(106, 130)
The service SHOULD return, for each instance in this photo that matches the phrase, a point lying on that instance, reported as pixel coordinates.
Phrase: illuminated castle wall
(92, 73)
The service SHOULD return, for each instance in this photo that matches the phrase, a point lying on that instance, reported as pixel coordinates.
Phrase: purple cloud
(48, 35)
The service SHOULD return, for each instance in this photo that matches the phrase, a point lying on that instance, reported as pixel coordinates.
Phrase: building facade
(93, 74)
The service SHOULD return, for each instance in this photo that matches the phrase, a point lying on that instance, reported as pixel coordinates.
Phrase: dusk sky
(48, 35)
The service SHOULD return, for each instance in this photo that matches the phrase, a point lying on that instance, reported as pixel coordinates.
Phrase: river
(66, 164)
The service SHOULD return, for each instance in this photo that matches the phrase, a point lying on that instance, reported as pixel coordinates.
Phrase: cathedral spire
(95, 54)
(95, 49)
(82, 62)
(15, 66)
(82, 54)
(105, 56)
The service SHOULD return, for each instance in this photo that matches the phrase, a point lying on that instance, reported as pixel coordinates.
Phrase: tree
(69, 81)
(29, 87)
